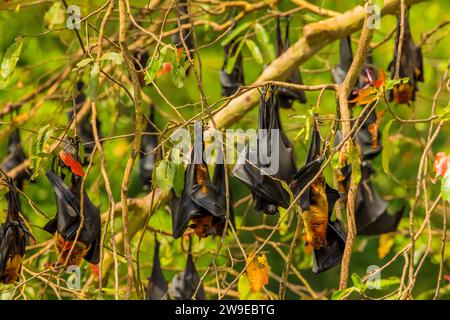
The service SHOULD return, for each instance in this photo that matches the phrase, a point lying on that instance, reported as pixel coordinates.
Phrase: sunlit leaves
(255, 51)
(169, 175)
(168, 60)
(11, 58)
(40, 149)
(113, 56)
(385, 243)
(54, 16)
(236, 32)
(255, 278)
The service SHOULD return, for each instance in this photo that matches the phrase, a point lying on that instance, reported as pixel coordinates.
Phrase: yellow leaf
(257, 271)
(385, 244)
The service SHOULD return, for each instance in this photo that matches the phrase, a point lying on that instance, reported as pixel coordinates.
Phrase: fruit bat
(325, 236)
(148, 154)
(84, 127)
(267, 190)
(185, 283)
(346, 58)
(67, 221)
(199, 202)
(157, 286)
(286, 95)
(371, 211)
(15, 157)
(140, 64)
(186, 33)
(231, 82)
(411, 65)
(14, 236)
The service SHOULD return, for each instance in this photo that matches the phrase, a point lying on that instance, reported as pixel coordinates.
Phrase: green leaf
(387, 147)
(11, 57)
(341, 294)
(391, 83)
(94, 79)
(445, 186)
(168, 175)
(263, 39)
(113, 56)
(385, 283)
(154, 66)
(54, 16)
(178, 179)
(83, 63)
(233, 34)
(43, 135)
(254, 50)
(357, 282)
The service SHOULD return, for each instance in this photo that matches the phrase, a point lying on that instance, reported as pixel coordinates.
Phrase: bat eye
(193, 226)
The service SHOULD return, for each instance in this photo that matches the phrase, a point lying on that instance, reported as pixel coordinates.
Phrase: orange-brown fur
(316, 218)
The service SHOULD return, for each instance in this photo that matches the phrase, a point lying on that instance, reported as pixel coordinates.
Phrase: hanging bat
(267, 190)
(15, 156)
(157, 285)
(148, 153)
(346, 58)
(185, 283)
(141, 58)
(411, 65)
(14, 236)
(199, 202)
(67, 221)
(231, 82)
(286, 95)
(317, 202)
(84, 127)
(186, 33)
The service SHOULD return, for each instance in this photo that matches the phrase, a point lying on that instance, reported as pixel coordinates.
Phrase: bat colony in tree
(202, 205)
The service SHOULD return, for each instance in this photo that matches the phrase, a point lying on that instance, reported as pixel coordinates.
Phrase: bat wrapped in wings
(16, 156)
(286, 95)
(411, 65)
(368, 137)
(266, 186)
(157, 288)
(67, 222)
(199, 203)
(84, 128)
(346, 58)
(231, 82)
(371, 211)
(317, 202)
(184, 284)
(148, 153)
(14, 236)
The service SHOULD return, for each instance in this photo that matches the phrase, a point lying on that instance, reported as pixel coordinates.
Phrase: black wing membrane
(84, 127)
(67, 220)
(346, 58)
(231, 82)
(14, 236)
(157, 285)
(185, 284)
(286, 95)
(16, 156)
(198, 198)
(148, 153)
(331, 254)
(411, 65)
(186, 33)
(267, 188)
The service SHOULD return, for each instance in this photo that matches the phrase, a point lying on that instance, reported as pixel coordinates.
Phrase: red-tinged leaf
(362, 94)
(441, 162)
(381, 79)
(447, 277)
(95, 270)
(166, 67)
(73, 164)
(179, 52)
